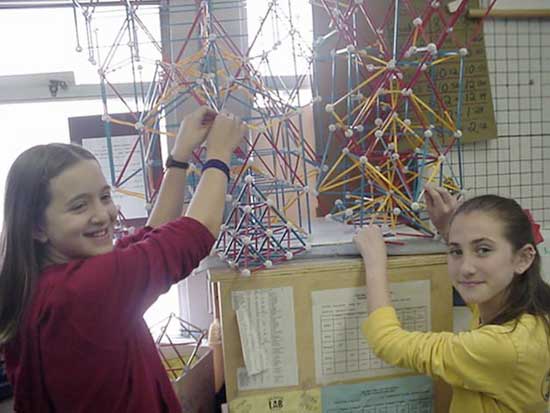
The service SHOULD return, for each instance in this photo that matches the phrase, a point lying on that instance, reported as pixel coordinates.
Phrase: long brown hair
(528, 293)
(26, 198)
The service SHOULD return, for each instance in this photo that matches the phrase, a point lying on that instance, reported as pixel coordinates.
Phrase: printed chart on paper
(268, 338)
(341, 351)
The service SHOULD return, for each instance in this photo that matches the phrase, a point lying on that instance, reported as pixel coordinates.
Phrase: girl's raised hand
(192, 132)
(440, 206)
(225, 135)
(369, 241)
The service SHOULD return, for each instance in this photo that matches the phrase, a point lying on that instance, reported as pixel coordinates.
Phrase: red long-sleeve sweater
(83, 346)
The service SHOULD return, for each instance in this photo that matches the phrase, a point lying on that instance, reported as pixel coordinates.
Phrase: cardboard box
(195, 389)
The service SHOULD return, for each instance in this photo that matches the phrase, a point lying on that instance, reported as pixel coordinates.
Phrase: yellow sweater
(491, 369)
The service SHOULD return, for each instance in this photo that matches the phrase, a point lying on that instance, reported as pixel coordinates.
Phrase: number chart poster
(478, 117)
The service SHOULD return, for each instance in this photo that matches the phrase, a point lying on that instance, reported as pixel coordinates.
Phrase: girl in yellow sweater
(503, 364)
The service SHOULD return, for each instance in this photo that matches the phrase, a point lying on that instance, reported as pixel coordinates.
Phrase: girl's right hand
(224, 137)
(441, 206)
(192, 132)
(369, 241)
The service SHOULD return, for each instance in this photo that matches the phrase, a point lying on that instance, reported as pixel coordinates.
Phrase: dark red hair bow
(535, 228)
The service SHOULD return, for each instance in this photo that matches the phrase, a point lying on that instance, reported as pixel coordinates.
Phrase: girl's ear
(524, 258)
(40, 235)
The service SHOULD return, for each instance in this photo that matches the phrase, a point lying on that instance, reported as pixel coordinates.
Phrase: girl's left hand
(370, 243)
(441, 206)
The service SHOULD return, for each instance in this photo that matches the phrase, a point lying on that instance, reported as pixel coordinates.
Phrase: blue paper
(403, 395)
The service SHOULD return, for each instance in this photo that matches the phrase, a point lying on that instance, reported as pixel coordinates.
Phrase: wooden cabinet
(306, 283)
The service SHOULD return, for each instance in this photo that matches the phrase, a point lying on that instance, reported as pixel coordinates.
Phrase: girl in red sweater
(71, 303)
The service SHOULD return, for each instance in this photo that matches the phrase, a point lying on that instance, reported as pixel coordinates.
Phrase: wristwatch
(171, 162)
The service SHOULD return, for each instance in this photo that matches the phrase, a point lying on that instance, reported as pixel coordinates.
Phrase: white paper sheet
(341, 351)
(254, 355)
(269, 322)
(131, 206)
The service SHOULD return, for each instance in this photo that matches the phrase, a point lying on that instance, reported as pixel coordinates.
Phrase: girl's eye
(454, 252)
(483, 250)
(78, 207)
(106, 197)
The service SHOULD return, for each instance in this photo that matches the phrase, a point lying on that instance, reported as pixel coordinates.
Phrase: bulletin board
(294, 289)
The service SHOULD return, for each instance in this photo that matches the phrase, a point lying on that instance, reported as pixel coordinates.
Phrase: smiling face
(80, 217)
(481, 261)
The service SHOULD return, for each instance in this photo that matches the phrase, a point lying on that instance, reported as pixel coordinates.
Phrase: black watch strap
(171, 162)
